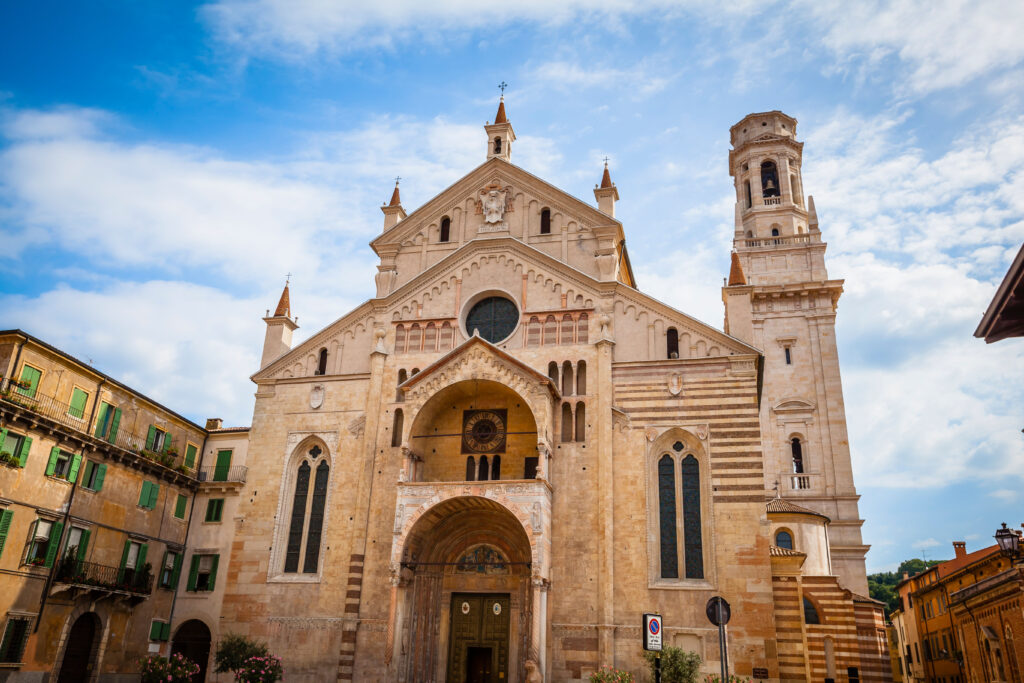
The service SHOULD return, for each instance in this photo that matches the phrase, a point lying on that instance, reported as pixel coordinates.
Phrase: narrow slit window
(321, 365)
(446, 229)
(667, 517)
(496, 468)
(798, 455)
(566, 423)
(581, 422)
(470, 468)
(298, 521)
(482, 472)
(672, 342)
(545, 221)
(316, 518)
(399, 424)
(692, 532)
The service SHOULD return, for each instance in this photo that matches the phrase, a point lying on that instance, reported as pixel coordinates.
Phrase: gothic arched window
(306, 520)
(446, 229)
(667, 517)
(672, 342)
(689, 469)
(321, 365)
(810, 613)
(545, 221)
(784, 539)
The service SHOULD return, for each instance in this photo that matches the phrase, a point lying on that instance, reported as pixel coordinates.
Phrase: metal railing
(103, 577)
(779, 241)
(12, 392)
(235, 473)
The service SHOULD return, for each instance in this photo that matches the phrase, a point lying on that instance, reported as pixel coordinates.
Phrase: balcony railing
(798, 483)
(64, 414)
(235, 473)
(779, 241)
(104, 578)
(772, 201)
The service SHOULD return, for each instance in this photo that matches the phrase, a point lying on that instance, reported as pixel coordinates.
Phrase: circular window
(495, 318)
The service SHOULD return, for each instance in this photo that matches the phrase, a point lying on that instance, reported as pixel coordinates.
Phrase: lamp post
(1009, 541)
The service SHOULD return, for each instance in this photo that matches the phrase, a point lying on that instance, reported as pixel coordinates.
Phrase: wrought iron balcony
(102, 578)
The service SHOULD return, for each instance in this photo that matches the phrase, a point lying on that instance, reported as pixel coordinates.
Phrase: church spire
(278, 340)
(393, 211)
(606, 193)
(284, 305)
(500, 135)
(736, 276)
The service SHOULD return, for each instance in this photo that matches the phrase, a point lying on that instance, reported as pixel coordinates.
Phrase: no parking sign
(652, 632)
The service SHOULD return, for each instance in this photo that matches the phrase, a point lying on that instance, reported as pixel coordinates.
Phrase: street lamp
(1008, 541)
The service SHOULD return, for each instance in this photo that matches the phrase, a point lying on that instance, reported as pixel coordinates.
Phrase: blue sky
(163, 165)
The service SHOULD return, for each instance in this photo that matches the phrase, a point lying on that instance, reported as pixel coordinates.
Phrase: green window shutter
(165, 631)
(213, 572)
(210, 506)
(154, 630)
(179, 507)
(193, 573)
(101, 419)
(25, 446)
(150, 438)
(3, 439)
(30, 375)
(141, 561)
(5, 526)
(176, 574)
(83, 544)
(102, 472)
(167, 441)
(89, 467)
(190, 455)
(154, 491)
(220, 470)
(114, 425)
(144, 495)
(76, 463)
(54, 543)
(78, 401)
(51, 464)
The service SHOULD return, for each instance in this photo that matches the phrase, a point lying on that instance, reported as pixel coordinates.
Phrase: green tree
(234, 650)
(677, 665)
(882, 586)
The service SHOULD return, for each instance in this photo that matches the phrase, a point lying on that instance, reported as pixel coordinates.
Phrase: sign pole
(657, 667)
(718, 614)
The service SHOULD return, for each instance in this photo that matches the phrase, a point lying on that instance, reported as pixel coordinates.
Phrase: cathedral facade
(492, 469)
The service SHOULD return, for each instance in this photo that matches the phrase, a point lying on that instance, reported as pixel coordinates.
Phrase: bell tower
(779, 299)
(500, 135)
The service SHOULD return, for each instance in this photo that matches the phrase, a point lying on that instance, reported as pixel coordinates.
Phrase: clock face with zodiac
(483, 431)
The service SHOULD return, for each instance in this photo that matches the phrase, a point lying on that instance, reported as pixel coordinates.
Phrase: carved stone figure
(494, 206)
(533, 674)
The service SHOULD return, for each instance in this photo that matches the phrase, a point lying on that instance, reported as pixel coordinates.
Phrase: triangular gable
(410, 225)
(455, 355)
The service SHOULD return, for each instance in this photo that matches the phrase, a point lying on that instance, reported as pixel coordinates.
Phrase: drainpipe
(188, 528)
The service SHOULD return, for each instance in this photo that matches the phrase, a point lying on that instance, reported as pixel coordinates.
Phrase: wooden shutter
(30, 375)
(165, 631)
(167, 442)
(89, 467)
(78, 400)
(154, 630)
(190, 456)
(3, 439)
(144, 495)
(5, 526)
(124, 561)
(213, 572)
(51, 464)
(140, 562)
(114, 425)
(220, 471)
(76, 463)
(101, 419)
(154, 491)
(100, 474)
(83, 544)
(177, 570)
(25, 446)
(53, 545)
(150, 438)
(193, 573)
(179, 507)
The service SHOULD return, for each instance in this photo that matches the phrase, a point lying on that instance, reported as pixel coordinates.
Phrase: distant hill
(882, 586)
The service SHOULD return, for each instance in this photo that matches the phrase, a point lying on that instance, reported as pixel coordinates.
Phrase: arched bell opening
(465, 593)
(468, 427)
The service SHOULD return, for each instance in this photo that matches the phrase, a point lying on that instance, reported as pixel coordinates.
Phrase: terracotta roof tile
(776, 551)
(500, 116)
(284, 306)
(396, 199)
(782, 505)
(736, 276)
(606, 179)
(958, 563)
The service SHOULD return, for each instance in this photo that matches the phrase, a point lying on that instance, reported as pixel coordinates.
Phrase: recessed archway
(192, 640)
(80, 649)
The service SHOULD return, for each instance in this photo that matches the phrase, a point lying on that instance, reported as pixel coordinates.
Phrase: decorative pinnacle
(502, 86)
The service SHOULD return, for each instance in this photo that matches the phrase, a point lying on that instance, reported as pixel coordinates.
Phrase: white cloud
(641, 80)
(926, 543)
(1006, 495)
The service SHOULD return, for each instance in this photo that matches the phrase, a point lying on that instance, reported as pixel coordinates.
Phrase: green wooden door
(220, 470)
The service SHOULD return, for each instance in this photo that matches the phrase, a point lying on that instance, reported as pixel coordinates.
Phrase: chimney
(960, 548)
(906, 575)
(213, 423)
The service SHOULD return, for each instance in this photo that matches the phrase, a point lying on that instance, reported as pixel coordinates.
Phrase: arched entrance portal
(465, 596)
(76, 665)
(193, 641)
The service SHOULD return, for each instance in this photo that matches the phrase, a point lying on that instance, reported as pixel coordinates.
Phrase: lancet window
(306, 519)
(446, 229)
(679, 508)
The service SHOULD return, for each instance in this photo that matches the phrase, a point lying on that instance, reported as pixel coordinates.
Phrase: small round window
(495, 318)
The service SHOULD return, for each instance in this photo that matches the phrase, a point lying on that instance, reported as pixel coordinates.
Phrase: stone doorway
(78, 653)
(479, 642)
(193, 641)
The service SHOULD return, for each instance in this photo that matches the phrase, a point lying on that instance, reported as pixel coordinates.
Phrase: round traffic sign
(718, 611)
(655, 626)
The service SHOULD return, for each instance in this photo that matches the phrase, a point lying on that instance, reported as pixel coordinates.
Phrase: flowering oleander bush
(234, 650)
(260, 669)
(176, 669)
(607, 674)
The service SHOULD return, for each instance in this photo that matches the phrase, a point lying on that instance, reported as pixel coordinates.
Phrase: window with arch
(581, 378)
(470, 468)
(497, 145)
(784, 539)
(496, 468)
(400, 339)
(402, 376)
(415, 338)
(769, 179)
(679, 506)
(567, 328)
(430, 337)
(567, 384)
(482, 472)
(533, 332)
(446, 229)
(321, 363)
(306, 521)
(748, 197)
(810, 612)
(775, 232)
(797, 450)
(550, 331)
(545, 221)
(581, 422)
(567, 425)
(553, 372)
(672, 342)
(447, 338)
(399, 424)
